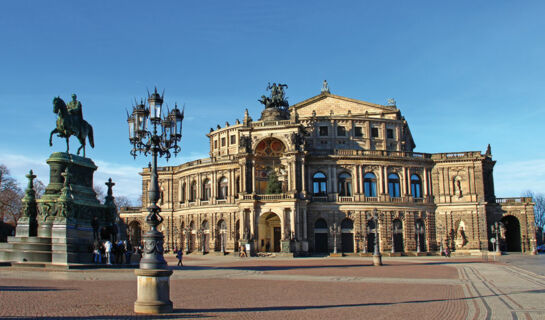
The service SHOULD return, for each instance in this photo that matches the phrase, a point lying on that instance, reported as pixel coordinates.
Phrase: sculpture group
(70, 123)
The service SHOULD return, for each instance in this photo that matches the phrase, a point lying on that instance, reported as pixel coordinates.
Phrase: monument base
(153, 292)
(377, 260)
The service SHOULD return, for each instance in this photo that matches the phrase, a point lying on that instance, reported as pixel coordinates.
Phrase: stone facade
(338, 160)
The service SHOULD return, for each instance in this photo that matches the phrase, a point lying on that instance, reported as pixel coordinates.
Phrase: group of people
(109, 252)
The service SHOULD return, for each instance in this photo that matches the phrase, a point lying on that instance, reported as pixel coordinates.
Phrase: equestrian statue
(70, 123)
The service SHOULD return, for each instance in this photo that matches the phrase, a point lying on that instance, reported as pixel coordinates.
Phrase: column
(303, 176)
(305, 236)
(292, 222)
(252, 222)
(425, 182)
(283, 225)
(362, 173)
(242, 167)
(253, 177)
(381, 183)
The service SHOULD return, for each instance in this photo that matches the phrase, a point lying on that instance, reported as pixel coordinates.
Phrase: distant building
(335, 160)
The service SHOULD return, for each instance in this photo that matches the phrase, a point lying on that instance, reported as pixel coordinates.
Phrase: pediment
(325, 103)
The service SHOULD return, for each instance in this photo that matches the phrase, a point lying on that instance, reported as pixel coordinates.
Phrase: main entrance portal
(269, 233)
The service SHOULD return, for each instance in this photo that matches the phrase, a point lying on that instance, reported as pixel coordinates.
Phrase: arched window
(370, 184)
(393, 185)
(320, 224)
(193, 192)
(345, 184)
(206, 190)
(182, 193)
(222, 188)
(416, 186)
(319, 184)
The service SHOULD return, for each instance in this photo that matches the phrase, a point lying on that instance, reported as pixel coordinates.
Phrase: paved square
(303, 288)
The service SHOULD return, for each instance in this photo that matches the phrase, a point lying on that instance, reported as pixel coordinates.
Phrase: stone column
(303, 176)
(425, 183)
(253, 177)
(252, 223)
(305, 235)
(292, 222)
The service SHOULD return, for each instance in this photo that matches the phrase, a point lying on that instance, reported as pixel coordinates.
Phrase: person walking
(128, 251)
(108, 250)
(180, 255)
(97, 257)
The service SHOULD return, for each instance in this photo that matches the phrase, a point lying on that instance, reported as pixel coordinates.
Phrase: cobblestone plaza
(305, 288)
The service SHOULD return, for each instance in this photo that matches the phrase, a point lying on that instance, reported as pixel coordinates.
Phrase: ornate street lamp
(419, 232)
(377, 257)
(335, 230)
(153, 275)
(495, 228)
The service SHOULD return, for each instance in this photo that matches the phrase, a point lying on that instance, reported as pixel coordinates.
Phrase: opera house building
(329, 172)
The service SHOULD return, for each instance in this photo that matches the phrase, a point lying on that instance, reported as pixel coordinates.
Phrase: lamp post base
(377, 260)
(153, 296)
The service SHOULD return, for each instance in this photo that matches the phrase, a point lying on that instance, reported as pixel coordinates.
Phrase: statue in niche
(458, 186)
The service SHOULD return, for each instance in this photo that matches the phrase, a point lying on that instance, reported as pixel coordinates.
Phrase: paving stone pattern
(281, 288)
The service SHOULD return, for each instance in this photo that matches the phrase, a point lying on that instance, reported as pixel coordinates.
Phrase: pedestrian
(97, 258)
(108, 251)
(180, 255)
(128, 251)
(447, 252)
(120, 254)
(243, 252)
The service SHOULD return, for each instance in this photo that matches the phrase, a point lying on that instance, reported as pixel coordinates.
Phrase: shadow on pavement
(25, 288)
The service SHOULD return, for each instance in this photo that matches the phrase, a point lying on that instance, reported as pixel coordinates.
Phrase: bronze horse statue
(71, 125)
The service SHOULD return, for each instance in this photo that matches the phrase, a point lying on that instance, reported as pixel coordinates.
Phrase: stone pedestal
(285, 246)
(153, 295)
(64, 233)
(377, 260)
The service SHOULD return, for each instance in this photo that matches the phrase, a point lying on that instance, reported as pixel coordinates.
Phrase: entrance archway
(398, 235)
(135, 234)
(370, 236)
(205, 229)
(221, 236)
(320, 236)
(269, 233)
(511, 236)
(347, 236)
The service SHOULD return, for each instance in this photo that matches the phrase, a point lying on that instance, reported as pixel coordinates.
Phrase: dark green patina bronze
(70, 123)
(276, 105)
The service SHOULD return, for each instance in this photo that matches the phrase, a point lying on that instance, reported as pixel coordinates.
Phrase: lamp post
(334, 229)
(419, 231)
(377, 257)
(153, 276)
(495, 228)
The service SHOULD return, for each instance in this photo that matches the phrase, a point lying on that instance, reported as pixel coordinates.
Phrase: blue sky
(464, 73)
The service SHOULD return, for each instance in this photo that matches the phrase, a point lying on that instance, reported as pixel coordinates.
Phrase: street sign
(493, 240)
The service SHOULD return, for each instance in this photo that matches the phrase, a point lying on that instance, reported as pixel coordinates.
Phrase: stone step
(37, 240)
(25, 255)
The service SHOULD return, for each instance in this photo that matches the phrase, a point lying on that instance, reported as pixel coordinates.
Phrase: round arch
(347, 235)
(510, 234)
(135, 233)
(269, 232)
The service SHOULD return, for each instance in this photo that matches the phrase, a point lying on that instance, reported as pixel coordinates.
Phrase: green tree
(273, 185)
